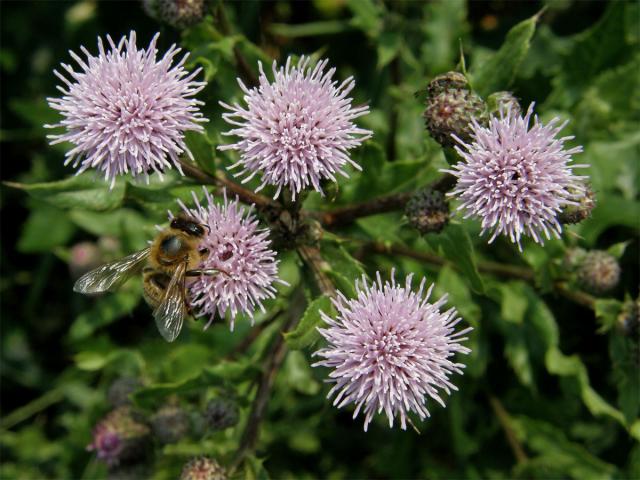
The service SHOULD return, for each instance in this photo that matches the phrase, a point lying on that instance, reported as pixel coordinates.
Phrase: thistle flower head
(516, 178)
(119, 436)
(297, 130)
(126, 111)
(390, 349)
(241, 251)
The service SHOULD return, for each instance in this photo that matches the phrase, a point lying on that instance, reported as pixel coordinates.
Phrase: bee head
(189, 226)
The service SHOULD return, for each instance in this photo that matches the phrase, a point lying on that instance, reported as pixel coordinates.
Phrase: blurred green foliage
(551, 388)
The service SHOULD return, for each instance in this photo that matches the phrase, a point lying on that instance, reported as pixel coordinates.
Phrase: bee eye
(171, 246)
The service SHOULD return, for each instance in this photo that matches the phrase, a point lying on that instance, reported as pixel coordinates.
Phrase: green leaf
(202, 150)
(571, 366)
(306, 332)
(446, 24)
(45, 228)
(513, 301)
(298, 374)
(389, 45)
(311, 29)
(596, 49)
(455, 244)
(624, 356)
(84, 190)
(557, 456)
(343, 264)
(607, 311)
(609, 211)
(367, 16)
(500, 69)
(92, 360)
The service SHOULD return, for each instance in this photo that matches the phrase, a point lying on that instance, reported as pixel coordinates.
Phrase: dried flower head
(599, 272)
(170, 424)
(127, 111)
(221, 413)
(516, 178)
(240, 249)
(203, 468)
(177, 13)
(297, 130)
(390, 348)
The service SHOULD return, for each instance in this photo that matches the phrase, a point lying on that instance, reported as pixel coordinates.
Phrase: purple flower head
(296, 131)
(127, 111)
(242, 251)
(517, 178)
(118, 436)
(389, 349)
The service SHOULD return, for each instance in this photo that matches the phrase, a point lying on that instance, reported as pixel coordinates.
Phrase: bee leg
(206, 271)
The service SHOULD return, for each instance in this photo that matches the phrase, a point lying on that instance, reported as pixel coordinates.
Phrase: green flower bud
(599, 272)
(170, 424)
(571, 214)
(221, 413)
(179, 14)
(502, 102)
(450, 108)
(203, 468)
(427, 211)
(120, 389)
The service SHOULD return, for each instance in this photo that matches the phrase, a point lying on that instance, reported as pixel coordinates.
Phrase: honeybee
(172, 256)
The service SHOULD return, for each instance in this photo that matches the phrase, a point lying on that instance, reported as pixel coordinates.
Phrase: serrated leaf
(624, 357)
(500, 69)
(607, 311)
(84, 190)
(556, 454)
(306, 332)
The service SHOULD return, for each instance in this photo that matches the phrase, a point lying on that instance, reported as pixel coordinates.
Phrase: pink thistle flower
(296, 131)
(389, 349)
(242, 251)
(517, 178)
(126, 111)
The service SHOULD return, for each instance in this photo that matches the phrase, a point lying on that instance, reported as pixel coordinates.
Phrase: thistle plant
(365, 246)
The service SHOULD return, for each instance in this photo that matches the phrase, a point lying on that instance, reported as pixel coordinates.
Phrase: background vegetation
(551, 389)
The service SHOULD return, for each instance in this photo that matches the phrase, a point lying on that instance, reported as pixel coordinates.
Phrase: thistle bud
(203, 468)
(599, 272)
(221, 413)
(571, 214)
(450, 107)
(170, 424)
(629, 318)
(573, 258)
(427, 211)
(120, 389)
(503, 102)
(120, 437)
(179, 14)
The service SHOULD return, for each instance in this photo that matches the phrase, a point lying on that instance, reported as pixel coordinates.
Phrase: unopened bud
(427, 211)
(170, 424)
(629, 318)
(203, 468)
(573, 258)
(599, 272)
(120, 390)
(450, 107)
(120, 437)
(503, 102)
(176, 13)
(221, 413)
(571, 214)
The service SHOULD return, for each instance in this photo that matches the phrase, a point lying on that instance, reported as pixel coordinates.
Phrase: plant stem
(31, 408)
(220, 179)
(492, 268)
(318, 266)
(388, 203)
(505, 422)
(273, 362)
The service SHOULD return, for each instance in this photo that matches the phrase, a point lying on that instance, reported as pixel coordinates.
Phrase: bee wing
(111, 275)
(170, 314)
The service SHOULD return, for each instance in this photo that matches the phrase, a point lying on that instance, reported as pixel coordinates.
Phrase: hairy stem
(505, 422)
(220, 180)
(312, 258)
(388, 203)
(273, 362)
